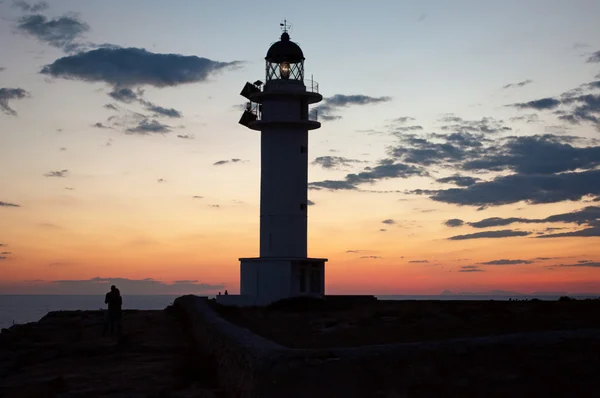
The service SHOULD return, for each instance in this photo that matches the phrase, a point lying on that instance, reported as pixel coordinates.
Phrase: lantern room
(285, 60)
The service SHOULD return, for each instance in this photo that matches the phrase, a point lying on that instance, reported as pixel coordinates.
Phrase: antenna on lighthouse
(285, 26)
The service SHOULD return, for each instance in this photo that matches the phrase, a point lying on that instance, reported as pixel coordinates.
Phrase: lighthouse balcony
(253, 118)
(307, 89)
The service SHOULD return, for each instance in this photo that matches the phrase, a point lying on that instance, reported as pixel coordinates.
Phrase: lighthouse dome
(285, 50)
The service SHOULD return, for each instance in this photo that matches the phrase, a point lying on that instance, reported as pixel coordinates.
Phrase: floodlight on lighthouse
(247, 117)
(249, 89)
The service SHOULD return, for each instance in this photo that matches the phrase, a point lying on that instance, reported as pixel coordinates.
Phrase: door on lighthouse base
(309, 279)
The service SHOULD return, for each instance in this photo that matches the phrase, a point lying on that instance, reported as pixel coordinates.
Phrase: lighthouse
(279, 109)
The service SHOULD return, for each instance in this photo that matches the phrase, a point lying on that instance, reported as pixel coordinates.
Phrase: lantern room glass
(285, 70)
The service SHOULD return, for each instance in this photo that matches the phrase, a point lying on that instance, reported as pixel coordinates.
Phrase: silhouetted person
(226, 293)
(113, 318)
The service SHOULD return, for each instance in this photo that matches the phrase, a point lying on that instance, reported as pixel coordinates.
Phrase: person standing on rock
(113, 318)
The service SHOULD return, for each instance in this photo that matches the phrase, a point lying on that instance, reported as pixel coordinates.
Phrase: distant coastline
(15, 308)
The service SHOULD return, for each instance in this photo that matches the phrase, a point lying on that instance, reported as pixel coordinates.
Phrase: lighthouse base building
(266, 280)
(279, 109)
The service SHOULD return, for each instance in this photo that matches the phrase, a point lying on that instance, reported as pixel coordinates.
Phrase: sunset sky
(459, 147)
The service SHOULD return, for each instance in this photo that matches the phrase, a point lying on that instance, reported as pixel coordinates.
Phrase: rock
(65, 356)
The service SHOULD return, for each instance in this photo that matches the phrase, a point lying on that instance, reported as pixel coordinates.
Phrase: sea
(19, 309)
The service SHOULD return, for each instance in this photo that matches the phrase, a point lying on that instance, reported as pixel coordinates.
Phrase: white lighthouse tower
(279, 109)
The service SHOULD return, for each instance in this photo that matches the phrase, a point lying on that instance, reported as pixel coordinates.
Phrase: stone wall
(238, 352)
(529, 364)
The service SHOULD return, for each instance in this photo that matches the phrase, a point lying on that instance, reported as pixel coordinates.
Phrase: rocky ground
(63, 355)
(384, 322)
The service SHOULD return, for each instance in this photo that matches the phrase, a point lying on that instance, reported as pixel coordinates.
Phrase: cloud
(579, 264)
(583, 233)
(587, 109)
(470, 268)
(386, 169)
(7, 94)
(100, 125)
(59, 32)
(418, 261)
(130, 67)
(159, 110)
(592, 85)
(454, 222)
(577, 106)
(541, 104)
(594, 58)
(530, 118)
(7, 204)
(49, 225)
(579, 44)
(185, 136)
(370, 257)
(538, 154)
(333, 185)
(129, 96)
(506, 233)
(498, 222)
(197, 197)
(160, 180)
(100, 285)
(331, 105)
(2, 69)
(149, 126)
(487, 125)
(125, 95)
(403, 119)
(533, 189)
(26, 7)
(111, 106)
(454, 149)
(356, 251)
(536, 160)
(222, 162)
(587, 215)
(332, 162)
(507, 262)
(61, 173)
(519, 84)
(461, 181)
(389, 221)
(382, 230)
(400, 130)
